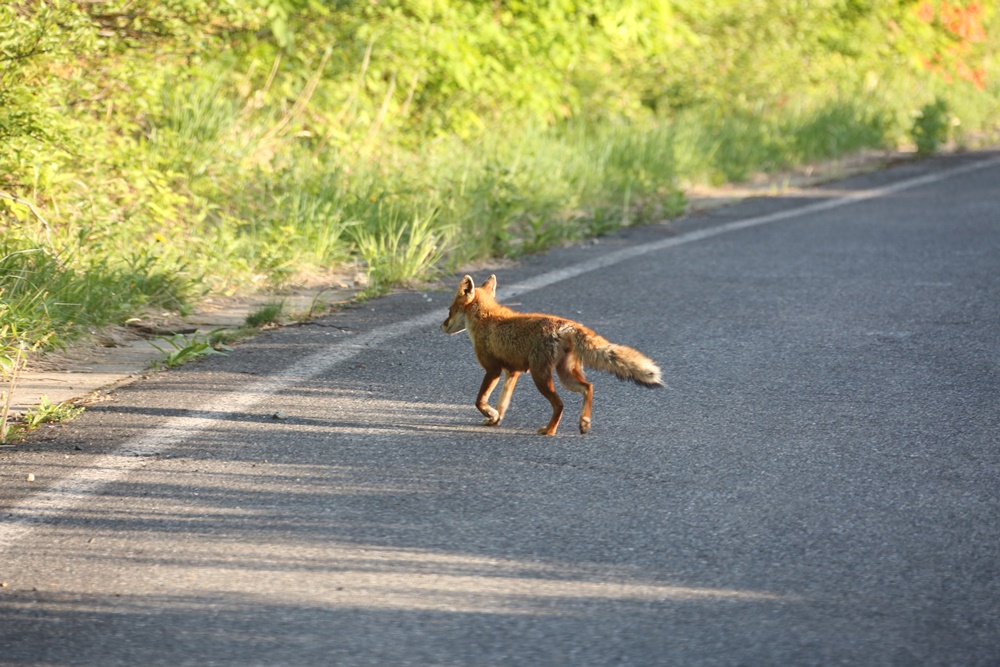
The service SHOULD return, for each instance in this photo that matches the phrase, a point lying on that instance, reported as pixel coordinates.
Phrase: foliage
(14, 351)
(32, 34)
(269, 313)
(930, 128)
(13, 356)
(152, 150)
(953, 31)
(401, 250)
(184, 349)
(48, 295)
(47, 412)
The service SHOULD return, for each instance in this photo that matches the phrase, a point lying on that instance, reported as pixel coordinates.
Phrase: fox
(511, 343)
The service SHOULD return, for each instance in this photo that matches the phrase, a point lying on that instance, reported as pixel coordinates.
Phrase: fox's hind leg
(543, 380)
(571, 376)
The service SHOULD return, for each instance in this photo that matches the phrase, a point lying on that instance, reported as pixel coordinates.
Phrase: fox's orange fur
(512, 343)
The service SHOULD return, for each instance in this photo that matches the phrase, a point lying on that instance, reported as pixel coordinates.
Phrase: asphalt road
(819, 485)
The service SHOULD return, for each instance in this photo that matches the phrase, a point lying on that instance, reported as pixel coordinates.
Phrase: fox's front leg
(509, 381)
(482, 400)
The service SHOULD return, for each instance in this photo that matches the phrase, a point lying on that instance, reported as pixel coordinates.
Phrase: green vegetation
(13, 357)
(931, 126)
(269, 313)
(182, 348)
(152, 151)
(47, 412)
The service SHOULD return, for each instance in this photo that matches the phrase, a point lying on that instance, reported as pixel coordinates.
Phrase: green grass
(406, 217)
(269, 313)
(51, 298)
(181, 349)
(136, 176)
(400, 250)
(931, 127)
(47, 412)
(723, 147)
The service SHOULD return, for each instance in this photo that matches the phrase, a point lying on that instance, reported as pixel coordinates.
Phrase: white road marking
(62, 496)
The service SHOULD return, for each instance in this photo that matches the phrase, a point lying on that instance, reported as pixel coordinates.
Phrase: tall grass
(49, 298)
(402, 212)
(407, 140)
(229, 222)
(717, 146)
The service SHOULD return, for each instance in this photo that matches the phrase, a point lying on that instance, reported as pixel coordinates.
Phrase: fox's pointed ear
(491, 285)
(467, 288)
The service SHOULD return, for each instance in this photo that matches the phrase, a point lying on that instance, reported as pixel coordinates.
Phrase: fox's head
(464, 297)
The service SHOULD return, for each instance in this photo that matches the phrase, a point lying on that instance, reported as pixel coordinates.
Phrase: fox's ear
(491, 285)
(467, 287)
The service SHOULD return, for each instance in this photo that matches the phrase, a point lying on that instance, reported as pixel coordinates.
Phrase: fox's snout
(453, 324)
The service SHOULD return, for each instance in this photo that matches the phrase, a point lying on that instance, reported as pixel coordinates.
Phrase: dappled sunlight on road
(207, 572)
(176, 535)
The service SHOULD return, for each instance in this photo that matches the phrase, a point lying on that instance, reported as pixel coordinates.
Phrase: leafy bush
(930, 127)
(152, 150)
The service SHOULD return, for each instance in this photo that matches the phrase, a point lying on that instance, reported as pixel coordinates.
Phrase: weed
(11, 364)
(221, 339)
(188, 348)
(400, 250)
(14, 350)
(418, 140)
(47, 412)
(930, 127)
(267, 314)
(50, 298)
(317, 306)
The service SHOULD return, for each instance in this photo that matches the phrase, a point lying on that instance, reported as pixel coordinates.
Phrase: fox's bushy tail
(624, 362)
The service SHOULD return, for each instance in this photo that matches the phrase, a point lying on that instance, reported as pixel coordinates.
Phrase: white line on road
(62, 496)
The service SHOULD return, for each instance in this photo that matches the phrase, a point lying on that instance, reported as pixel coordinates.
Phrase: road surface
(819, 485)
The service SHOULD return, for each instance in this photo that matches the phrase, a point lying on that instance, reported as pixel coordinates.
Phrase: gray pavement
(818, 486)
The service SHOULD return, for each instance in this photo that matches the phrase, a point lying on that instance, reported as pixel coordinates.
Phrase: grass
(724, 147)
(13, 357)
(931, 126)
(50, 298)
(47, 412)
(209, 208)
(181, 349)
(268, 314)
(400, 250)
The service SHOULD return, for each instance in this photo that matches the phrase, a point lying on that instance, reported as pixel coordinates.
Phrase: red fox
(509, 342)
